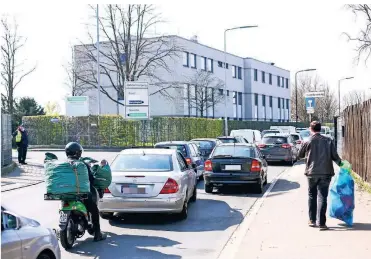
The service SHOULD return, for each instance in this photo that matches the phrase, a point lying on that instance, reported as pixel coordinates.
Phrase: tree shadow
(355, 227)
(204, 215)
(283, 185)
(124, 246)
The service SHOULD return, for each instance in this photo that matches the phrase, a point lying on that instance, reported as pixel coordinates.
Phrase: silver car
(24, 238)
(149, 181)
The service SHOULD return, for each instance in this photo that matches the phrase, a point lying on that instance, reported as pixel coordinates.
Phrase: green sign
(138, 114)
(77, 98)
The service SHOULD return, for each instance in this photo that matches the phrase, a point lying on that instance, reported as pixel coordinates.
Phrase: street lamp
(346, 78)
(225, 73)
(296, 92)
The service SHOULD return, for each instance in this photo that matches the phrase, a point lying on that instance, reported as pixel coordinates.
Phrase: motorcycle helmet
(73, 150)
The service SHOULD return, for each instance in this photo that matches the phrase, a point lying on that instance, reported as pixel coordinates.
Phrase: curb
(21, 187)
(8, 169)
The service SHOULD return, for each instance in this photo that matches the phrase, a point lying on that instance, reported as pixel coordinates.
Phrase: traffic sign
(314, 94)
(136, 100)
(137, 96)
(139, 112)
(77, 106)
(54, 120)
(310, 102)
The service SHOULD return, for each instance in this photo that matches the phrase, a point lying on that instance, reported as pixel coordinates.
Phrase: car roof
(150, 151)
(228, 137)
(237, 144)
(205, 139)
(276, 135)
(172, 142)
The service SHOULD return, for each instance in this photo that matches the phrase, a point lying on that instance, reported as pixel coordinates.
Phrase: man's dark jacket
(320, 152)
(24, 139)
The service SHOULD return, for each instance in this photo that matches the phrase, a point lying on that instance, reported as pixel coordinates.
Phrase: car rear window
(274, 140)
(270, 131)
(305, 133)
(139, 162)
(181, 148)
(234, 151)
(295, 137)
(228, 140)
(204, 144)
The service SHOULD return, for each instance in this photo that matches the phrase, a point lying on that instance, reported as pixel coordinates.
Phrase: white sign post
(77, 106)
(136, 100)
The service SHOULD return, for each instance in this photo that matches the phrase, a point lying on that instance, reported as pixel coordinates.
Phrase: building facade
(255, 90)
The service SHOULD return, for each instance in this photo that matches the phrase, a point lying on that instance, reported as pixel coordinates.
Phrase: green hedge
(114, 131)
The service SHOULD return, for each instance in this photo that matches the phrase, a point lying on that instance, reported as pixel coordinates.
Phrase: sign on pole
(310, 104)
(77, 106)
(314, 94)
(136, 100)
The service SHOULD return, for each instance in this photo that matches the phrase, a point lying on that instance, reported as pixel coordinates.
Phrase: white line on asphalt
(234, 242)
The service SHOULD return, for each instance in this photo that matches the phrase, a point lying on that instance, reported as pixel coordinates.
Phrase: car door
(190, 176)
(295, 149)
(11, 244)
(264, 162)
(198, 159)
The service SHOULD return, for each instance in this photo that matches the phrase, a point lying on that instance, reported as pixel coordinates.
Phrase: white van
(252, 136)
(325, 131)
(285, 129)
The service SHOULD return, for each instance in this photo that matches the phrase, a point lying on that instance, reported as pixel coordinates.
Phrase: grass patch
(364, 186)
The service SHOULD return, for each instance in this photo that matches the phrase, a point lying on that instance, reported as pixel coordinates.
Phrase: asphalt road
(211, 222)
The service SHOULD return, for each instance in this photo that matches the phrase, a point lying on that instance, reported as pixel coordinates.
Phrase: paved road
(212, 220)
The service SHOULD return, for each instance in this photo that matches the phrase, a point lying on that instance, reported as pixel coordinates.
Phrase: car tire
(194, 195)
(259, 187)
(209, 188)
(184, 213)
(106, 215)
(46, 255)
(265, 179)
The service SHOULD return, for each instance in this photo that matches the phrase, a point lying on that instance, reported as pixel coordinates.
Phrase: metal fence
(6, 139)
(357, 138)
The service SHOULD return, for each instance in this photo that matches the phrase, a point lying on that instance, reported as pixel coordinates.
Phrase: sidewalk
(280, 230)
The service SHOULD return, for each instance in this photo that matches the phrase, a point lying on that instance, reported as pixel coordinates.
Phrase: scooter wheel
(67, 236)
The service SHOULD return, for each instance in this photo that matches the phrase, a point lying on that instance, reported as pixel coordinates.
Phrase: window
(239, 73)
(193, 152)
(283, 82)
(180, 148)
(256, 99)
(287, 103)
(181, 162)
(239, 98)
(270, 101)
(234, 97)
(185, 59)
(193, 61)
(226, 65)
(138, 162)
(283, 103)
(8, 221)
(220, 91)
(263, 98)
(196, 149)
(203, 63)
(279, 102)
(287, 83)
(227, 92)
(238, 151)
(278, 81)
(234, 74)
(220, 64)
(263, 76)
(270, 78)
(255, 75)
(210, 67)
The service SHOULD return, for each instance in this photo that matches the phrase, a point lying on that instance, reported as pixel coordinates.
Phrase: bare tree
(127, 51)
(11, 69)
(326, 107)
(363, 39)
(354, 97)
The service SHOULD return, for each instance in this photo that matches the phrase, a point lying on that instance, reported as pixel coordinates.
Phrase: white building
(255, 90)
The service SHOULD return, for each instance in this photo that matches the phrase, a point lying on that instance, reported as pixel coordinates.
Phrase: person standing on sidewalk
(320, 152)
(21, 140)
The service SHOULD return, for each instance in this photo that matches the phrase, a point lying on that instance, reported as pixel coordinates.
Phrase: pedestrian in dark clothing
(21, 140)
(320, 152)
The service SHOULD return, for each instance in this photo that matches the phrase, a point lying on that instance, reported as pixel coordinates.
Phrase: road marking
(233, 244)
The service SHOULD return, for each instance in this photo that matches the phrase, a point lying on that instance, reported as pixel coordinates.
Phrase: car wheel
(209, 188)
(259, 187)
(194, 195)
(106, 215)
(265, 179)
(46, 255)
(184, 213)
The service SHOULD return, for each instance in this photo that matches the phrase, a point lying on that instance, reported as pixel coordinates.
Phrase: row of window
(207, 64)
(281, 81)
(281, 101)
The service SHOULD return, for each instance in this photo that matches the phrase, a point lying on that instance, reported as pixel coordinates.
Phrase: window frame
(187, 59)
(194, 60)
(287, 83)
(211, 68)
(278, 81)
(263, 77)
(181, 162)
(203, 63)
(239, 73)
(234, 71)
(270, 78)
(255, 75)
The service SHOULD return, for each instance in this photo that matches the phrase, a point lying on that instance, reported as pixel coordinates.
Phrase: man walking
(21, 140)
(320, 152)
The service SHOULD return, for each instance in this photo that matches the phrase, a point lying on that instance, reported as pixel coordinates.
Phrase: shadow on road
(124, 246)
(283, 185)
(355, 227)
(204, 215)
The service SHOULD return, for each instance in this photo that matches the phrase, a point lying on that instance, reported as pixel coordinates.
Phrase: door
(197, 158)
(295, 149)
(11, 244)
(189, 173)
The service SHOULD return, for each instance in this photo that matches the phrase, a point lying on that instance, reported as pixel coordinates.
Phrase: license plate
(232, 167)
(133, 189)
(62, 217)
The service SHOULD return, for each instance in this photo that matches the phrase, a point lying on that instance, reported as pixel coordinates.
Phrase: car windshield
(228, 140)
(234, 151)
(181, 148)
(295, 137)
(274, 140)
(204, 144)
(270, 131)
(140, 162)
(305, 134)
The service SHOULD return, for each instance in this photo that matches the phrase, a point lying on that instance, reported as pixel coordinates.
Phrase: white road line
(233, 244)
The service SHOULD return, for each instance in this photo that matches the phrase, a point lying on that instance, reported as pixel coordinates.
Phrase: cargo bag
(65, 177)
(102, 175)
(342, 195)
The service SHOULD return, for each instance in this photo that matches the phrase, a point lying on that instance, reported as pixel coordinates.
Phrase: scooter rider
(74, 151)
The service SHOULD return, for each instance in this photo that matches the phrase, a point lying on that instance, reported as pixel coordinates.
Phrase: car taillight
(286, 146)
(189, 161)
(255, 166)
(208, 165)
(171, 186)
(298, 142)
(262, 145)
(107, 190)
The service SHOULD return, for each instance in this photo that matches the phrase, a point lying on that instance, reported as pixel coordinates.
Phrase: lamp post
(296, 92)
(346, 78)
(225, 73)
(98, 64)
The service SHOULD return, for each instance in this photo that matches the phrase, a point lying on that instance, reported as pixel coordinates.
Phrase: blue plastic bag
(342, 195)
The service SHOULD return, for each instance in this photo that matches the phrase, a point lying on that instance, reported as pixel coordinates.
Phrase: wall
(6, 140)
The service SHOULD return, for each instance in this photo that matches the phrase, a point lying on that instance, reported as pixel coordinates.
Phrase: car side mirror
(263, 156)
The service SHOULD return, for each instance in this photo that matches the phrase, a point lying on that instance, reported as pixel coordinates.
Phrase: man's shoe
(24, 163)
(323, 227)
(100, 236)
(312, 224)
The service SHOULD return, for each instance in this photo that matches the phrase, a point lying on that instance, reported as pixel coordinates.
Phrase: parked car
(277, 131)
(298, 130)
(206, 145)
(297, 139)
(236, 164)
(154, 180)
(325, 131)
(305, 134)
(252, 136)
(229, 139)
(285, 129)
(190, 152)
(279, 147)
(23, 237)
